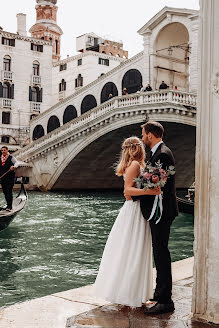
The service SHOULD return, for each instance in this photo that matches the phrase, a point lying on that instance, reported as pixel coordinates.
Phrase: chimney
(21, 24)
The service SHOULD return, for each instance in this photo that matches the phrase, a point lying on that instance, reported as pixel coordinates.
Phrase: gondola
(186, 200)
(18, 204)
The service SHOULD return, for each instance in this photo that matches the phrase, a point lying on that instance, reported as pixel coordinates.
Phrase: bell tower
(46, 27)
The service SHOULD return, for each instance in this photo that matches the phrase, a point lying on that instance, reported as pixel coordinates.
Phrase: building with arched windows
(33, 78)
(34, 81)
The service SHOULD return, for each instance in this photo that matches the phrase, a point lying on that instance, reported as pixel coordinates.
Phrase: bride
(125, 272)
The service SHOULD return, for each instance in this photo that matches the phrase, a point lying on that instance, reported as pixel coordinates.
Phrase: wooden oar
(5, 173)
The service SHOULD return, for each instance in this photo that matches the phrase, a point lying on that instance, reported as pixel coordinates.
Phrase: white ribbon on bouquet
(157, 202)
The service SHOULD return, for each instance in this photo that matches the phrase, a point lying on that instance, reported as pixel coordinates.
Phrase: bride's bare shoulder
(134, 166)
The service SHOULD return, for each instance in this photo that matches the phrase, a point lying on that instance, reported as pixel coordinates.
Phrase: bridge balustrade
(88, 120)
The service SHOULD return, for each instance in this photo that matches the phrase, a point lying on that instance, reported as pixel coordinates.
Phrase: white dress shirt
(155, 147)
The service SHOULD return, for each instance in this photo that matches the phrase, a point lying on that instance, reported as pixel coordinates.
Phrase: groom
(152, 133)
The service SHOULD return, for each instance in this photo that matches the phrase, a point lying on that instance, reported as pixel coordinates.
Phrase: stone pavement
(114, 316)
(78, 308)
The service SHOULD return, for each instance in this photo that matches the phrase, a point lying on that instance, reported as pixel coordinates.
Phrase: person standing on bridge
(7, 175)
(163, 86)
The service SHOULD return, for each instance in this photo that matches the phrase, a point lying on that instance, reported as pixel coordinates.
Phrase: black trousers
(160, 236)
(7, 187)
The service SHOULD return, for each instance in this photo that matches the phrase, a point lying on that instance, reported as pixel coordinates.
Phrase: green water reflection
(56, 243)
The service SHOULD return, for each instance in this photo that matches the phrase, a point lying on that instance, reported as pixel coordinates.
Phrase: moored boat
(186, 200)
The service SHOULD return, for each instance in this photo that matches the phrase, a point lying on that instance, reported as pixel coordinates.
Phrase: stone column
(193, 83)
(147, 63)
(206, 247)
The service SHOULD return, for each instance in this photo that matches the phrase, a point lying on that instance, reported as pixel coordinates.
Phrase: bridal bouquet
(153, 177)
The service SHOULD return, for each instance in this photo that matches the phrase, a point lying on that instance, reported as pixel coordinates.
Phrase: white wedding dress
(125, 272)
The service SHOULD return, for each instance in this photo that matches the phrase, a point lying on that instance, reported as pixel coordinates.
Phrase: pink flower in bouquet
(163, 175)
(162, 171)
(155, 178)
(147, 175)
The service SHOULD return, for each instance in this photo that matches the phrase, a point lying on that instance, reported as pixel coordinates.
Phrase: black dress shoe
(160, 308)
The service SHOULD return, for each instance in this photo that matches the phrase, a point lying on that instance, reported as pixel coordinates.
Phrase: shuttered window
(36, 47)
(8, 42)
(6, 117)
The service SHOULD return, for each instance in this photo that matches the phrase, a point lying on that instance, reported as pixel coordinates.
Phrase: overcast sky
(115, 19)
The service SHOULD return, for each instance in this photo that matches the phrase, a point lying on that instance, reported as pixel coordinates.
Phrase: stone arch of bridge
(88, 102)
(132, 80)
(38, 132)
(108, 89)
(79, 146)
(70, 113)
(53, 123)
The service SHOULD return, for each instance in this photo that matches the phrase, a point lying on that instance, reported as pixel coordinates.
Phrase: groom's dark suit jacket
(170, 208)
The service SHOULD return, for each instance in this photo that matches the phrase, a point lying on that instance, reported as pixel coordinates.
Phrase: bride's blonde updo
(132, 150)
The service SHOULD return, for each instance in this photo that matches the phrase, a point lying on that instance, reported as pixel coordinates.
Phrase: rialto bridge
(75, 143)
(81, 154)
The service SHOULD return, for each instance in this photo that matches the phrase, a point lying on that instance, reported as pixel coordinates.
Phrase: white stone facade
(89, 65)
(20, 74)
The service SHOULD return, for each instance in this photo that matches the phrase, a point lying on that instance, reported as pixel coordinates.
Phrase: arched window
(109, 91)
(132, 80)
(36, 68)
(6, 90)
(62, 85)
(38, 132)
(88, 103)
(7, 63)
(79, 81)
(69, 114)
(53, 123)
(35, 94)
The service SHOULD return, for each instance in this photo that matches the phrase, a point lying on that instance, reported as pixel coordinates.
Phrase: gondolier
(7, 175)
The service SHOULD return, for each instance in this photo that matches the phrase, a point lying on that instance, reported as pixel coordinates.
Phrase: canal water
(56, 243)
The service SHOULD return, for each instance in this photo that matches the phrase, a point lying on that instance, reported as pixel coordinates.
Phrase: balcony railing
(61, 95)
(35, 107)
(36, 79)
(6, 103)
(7, 75)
